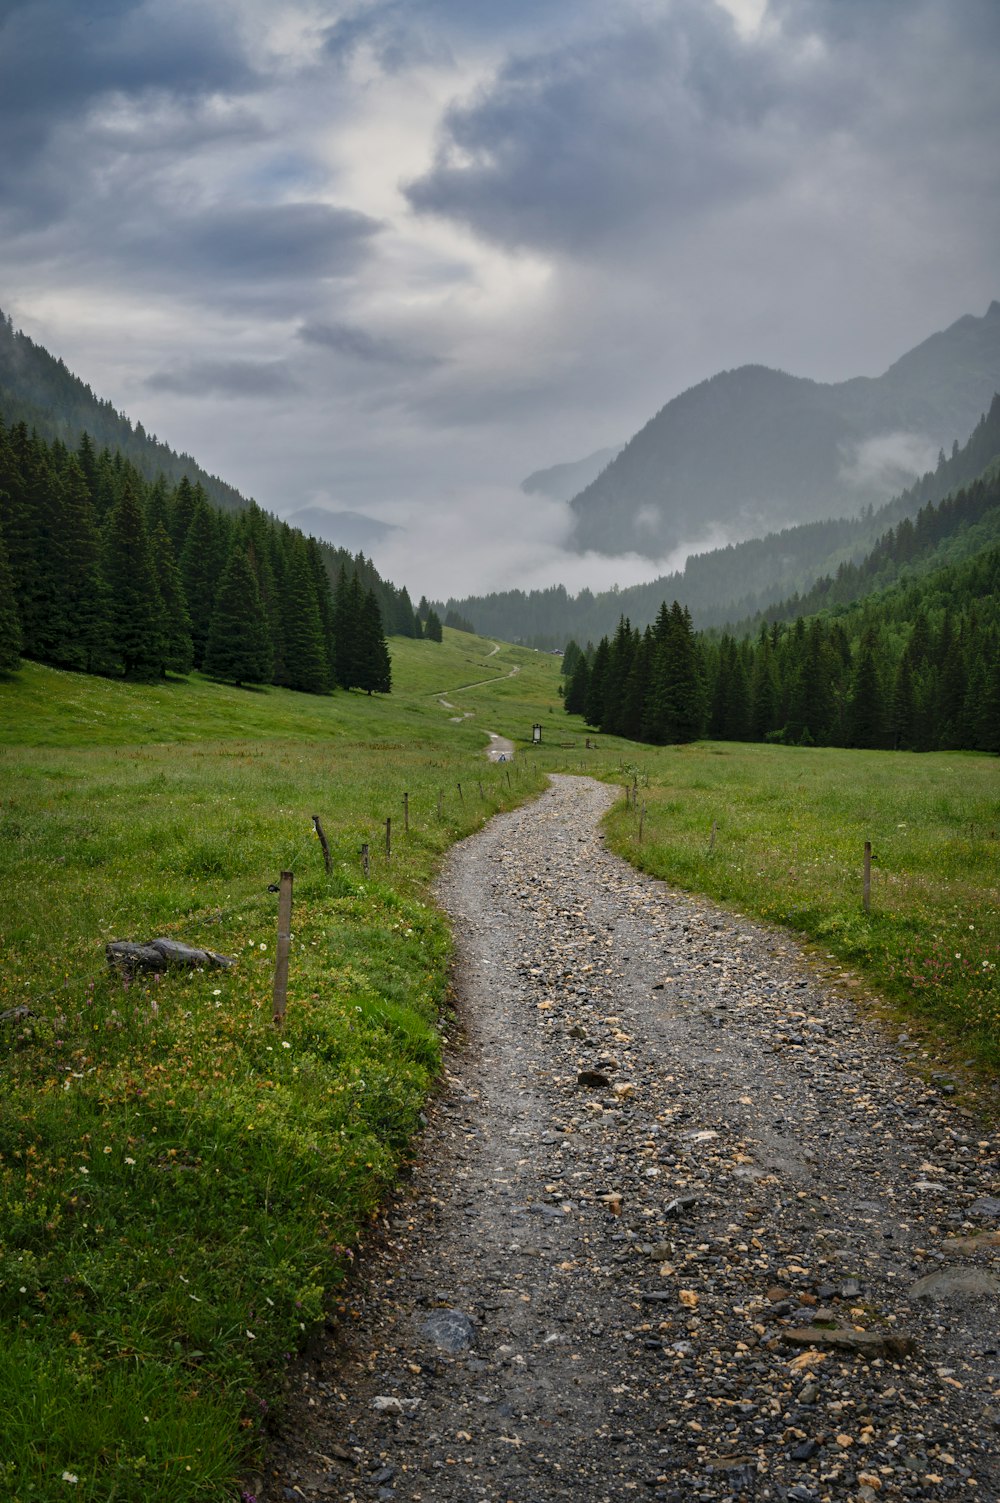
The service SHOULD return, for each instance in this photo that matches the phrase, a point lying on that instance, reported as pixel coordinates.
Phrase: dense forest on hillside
(105, 572)
(916, 667)
(734, 583)
(40, 391)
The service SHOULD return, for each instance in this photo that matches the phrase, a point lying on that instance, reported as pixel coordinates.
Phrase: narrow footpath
(684, 1225)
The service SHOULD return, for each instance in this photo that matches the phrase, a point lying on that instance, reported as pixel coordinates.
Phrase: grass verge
(181, 1186)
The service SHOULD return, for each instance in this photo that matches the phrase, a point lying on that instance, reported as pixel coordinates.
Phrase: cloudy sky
(390, 256)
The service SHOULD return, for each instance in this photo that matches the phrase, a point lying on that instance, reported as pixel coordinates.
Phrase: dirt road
(685, 1225)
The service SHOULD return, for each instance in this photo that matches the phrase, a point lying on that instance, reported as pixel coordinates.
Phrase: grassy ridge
(790, 827)
(181, 1185)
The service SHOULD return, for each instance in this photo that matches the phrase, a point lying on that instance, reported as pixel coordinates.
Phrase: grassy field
(182, 1187)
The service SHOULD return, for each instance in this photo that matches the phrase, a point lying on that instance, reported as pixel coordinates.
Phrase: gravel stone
(704, 1278)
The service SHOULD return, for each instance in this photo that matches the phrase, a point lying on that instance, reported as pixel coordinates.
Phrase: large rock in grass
(160, 955)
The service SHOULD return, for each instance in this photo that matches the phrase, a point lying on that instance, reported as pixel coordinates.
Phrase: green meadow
(184, 1187)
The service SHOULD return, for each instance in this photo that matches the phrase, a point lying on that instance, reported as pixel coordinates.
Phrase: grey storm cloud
(404, 32)
(225, 378)
(675, 114)
(258, 242)
(358, 344)
(58, 55)
(566, 148)
(60, 58)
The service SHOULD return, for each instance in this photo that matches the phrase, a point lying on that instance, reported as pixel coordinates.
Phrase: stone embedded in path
(451, 1330)
(858, 1343)
(954, 1285)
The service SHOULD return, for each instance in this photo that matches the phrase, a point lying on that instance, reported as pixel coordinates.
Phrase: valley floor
(684, 1225)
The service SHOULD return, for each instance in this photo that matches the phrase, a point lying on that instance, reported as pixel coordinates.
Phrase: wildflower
(130, 1161)
(263, 945)
(107, 1150)
(217, 992)
(70, 1477)
(83, 1169)
(285, 1044)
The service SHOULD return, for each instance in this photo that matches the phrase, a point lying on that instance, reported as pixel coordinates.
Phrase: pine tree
(575, 702)
(432, 627)
(347, 606)
(201, 568)
(324, 600)
(375, 675)
(75, 580)
(238, 646)
(866, 715)
(10, 625)
(594, 710)
(306, 663)
(178, 651)
(135, 610)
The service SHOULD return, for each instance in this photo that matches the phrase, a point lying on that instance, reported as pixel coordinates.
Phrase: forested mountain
(916, 667)
(39, 390)
(736, 582)
(105, 572)
(754, 449)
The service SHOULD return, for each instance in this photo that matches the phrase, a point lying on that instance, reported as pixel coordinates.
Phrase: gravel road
(684, 1225)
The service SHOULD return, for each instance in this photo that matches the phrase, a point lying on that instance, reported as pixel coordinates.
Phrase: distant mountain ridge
(741, 580)
(561, 482)
(753, 450)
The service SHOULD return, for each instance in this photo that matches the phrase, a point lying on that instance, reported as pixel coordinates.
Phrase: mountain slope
(740, 580)
(755, 449)
(39, 390)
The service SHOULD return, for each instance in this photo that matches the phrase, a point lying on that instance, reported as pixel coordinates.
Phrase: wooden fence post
(366, 865)
(711, 838)
(866, 896)
(323, 843)
(284, 941)
(482, 795)
(508, 776)
(460, 793)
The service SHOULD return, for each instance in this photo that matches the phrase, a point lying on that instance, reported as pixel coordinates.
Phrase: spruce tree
(347, 608)
(10, 625)
(306, 664)
(575, 702)
(238, 646)
(135, 611)
(375, 674)
(433, 630)
(177, 648)
(201, 568)
(866, 715)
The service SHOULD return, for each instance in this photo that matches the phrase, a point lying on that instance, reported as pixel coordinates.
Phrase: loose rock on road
(684, 1226)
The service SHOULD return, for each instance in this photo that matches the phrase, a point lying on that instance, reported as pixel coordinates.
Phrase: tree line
(916, 668)
(105, 572)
